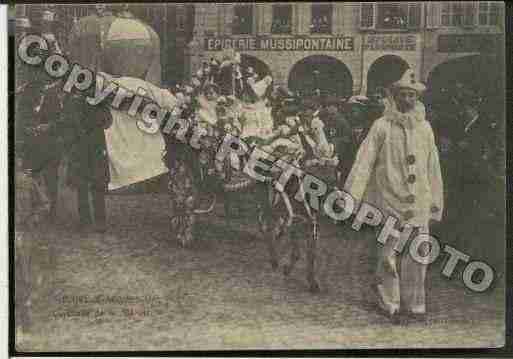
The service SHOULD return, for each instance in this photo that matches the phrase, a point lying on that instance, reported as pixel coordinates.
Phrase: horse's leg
(271, 229)
(311, 254)
(294, 232)
(228, 173)
(183, 199)
(272, 237)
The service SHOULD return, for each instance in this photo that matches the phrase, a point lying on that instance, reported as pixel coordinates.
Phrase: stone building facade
(346, 48)
(342, 48)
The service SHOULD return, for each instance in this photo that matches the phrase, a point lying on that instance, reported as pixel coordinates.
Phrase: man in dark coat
(339, 132)
(214, 69)
(470, 159)
(352, 125)
(50, 110)
(474, 186)
(465, 138)
(89, 166)
(352, 130)
(375, 105)
(37, 131)
(226, 77)
(244, 89)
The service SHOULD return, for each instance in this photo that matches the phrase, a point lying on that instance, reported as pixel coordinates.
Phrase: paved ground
(222, 294)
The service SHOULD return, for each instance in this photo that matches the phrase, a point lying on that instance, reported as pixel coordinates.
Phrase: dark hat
(211, 86)
(282, 92)
(332, 100)
(311, 103)
(290, 108)
(325, 113)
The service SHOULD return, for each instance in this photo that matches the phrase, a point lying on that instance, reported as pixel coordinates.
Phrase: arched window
(321, 73)
(384, 71)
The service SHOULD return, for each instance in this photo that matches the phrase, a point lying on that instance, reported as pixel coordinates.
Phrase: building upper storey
(323, 18)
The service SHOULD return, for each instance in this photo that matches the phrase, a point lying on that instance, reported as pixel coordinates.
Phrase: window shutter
(337, 18)
(267, 15)
(228, 15)
(414, 15)
(433, 14)
(219, 20)
(290, 15)
(294, 21)
(368, 15)
(256, 19)
(262, 15)
(305, 16)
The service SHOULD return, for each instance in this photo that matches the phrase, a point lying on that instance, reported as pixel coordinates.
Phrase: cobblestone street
(223, 294)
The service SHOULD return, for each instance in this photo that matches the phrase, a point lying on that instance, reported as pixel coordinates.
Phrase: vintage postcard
(258, 176)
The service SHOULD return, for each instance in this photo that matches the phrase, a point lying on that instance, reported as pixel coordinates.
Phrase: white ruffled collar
(408, 119)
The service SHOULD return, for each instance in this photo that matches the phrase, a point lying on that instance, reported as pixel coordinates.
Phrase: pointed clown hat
(409, 81)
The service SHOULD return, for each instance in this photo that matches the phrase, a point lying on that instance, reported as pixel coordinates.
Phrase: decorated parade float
(224, 97)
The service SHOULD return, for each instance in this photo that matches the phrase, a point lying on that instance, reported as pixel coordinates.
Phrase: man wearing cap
(226, 74)
(353, 129)
(344, 135)
(247, 93)
(214, 69)
(37, 120)
(84, 131)
(47, 29)
(397, 171)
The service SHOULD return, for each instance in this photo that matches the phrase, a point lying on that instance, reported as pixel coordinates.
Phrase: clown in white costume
(397, 170)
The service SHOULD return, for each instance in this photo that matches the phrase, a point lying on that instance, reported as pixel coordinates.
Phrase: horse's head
(320, 151)
(260, 87)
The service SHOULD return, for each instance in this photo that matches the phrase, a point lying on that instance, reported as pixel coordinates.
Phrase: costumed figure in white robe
(397, 170)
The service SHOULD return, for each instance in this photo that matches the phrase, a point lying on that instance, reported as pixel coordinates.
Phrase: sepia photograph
(257, 176)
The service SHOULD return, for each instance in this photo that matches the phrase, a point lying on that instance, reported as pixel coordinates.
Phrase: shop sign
(467, 43)
(339, 43)
(390, 43)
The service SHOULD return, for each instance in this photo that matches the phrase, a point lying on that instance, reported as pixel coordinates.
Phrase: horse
(278, 215)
